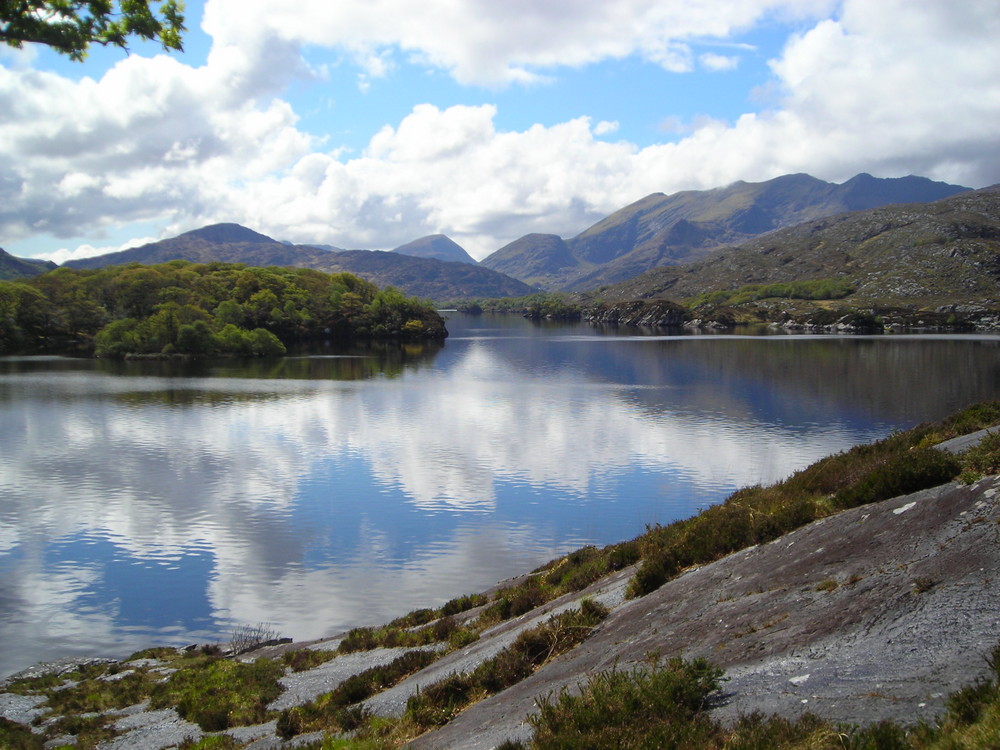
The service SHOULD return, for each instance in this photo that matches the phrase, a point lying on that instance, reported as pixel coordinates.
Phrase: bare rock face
(648, 313)
(875, 613)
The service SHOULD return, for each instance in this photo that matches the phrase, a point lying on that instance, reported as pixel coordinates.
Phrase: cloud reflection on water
(318, 504)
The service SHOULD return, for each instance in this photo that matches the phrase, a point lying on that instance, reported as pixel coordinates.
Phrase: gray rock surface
(152, 729)
(875, 613)
(302, 687)
(22, 709)
(962, 443)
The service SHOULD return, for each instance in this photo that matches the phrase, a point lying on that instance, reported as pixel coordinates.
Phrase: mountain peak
(227, 232)
(437, 247)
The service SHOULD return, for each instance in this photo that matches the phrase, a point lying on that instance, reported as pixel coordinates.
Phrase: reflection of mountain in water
(894, 379)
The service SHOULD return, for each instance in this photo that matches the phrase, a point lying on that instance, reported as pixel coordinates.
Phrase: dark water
(150, 503)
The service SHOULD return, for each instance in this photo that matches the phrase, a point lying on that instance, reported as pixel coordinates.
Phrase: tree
(71, 26)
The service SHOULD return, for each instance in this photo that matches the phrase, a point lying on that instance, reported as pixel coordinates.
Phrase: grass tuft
(221, 693)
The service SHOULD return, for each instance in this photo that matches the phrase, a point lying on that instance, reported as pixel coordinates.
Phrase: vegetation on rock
(535, 306)
(935, 264)
(664, 230)
(667, 706)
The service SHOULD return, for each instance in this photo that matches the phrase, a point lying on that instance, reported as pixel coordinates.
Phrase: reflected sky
(149, 503)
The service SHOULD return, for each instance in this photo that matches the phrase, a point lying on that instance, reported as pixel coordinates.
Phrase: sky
(368, 124)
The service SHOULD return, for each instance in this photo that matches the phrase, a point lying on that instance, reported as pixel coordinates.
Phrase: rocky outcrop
(650, 313)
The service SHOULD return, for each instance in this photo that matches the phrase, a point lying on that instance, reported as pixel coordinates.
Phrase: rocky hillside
(428, 278)
(944, 254)
(683, 227)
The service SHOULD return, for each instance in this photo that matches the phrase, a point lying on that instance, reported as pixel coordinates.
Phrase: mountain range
(921, 256)
(426, 277)
(684, 227)
(673, 245)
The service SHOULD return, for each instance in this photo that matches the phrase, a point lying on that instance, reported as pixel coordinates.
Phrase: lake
(148, 503)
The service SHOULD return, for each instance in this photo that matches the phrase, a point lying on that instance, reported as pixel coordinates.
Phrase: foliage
(441, 701)
(95, 692)
(540, 305)
(220, 693)
(400, 634)
(332, 711)
(301, 659)
(663, 707)
(71, 26)
(18, 737)
(463, 604)
(815, 289)
(180, 308)
(982, 459)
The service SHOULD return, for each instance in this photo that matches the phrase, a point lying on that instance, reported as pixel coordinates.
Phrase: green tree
(195, 338)
(71, 26)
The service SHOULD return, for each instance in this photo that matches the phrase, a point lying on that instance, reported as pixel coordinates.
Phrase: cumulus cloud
(889, 88)
(64, 254)
(484, 42)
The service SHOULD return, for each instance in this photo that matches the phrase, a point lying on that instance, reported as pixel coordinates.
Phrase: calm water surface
(152, 503)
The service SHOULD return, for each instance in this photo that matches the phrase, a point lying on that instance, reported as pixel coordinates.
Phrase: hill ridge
(683, 227)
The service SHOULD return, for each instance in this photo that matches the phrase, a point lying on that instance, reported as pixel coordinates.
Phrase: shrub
(659, 707)
(754, 515)
(982, 459)
(302, 659)
(900, 474)
(246, 638)
(221, 693)
(332, 711)
(463, 603)
(441, 701)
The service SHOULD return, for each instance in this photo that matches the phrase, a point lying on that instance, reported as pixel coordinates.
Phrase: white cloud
(484, 42)
(717, 63)
(606, 127)
(64, 254)
(889, 88)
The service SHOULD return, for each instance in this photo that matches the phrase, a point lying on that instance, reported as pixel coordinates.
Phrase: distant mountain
(19, 268)
(426, 277)
(227, 243)
(232, 243)
(683, 227)
(923, 255)
(437, 247)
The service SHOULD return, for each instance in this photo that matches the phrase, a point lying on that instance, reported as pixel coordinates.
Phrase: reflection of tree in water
(387, 359)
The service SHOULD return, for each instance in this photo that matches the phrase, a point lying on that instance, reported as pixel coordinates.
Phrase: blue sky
(369, 124)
